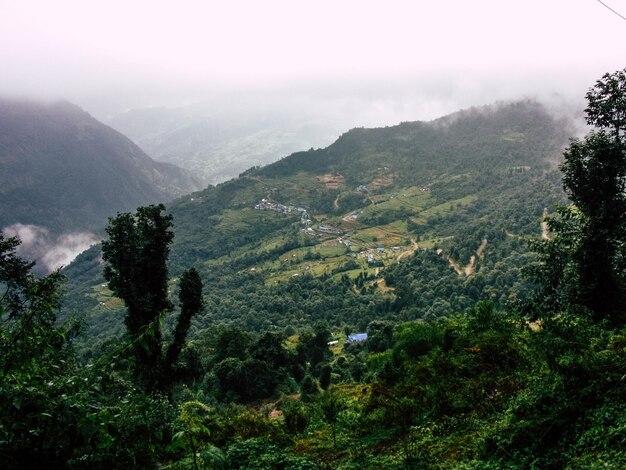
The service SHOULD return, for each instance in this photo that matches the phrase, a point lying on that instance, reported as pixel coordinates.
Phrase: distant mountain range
(62, 169)
(218, 142)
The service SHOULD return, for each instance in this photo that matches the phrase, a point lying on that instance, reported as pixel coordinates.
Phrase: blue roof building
(357, 338)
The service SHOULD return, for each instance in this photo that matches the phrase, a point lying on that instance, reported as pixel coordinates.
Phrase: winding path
(471, 267)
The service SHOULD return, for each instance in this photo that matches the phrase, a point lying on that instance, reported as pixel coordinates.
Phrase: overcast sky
(411, 59)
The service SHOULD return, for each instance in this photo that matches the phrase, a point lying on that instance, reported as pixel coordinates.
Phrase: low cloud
(49, 251)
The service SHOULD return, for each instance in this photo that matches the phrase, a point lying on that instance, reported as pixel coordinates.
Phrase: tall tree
(607, 103)
(28, 308)
(136, 270)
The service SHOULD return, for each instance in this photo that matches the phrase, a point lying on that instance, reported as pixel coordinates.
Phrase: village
(373, 255)
(267, 205)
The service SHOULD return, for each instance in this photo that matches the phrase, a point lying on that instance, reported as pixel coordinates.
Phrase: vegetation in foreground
(539, 387)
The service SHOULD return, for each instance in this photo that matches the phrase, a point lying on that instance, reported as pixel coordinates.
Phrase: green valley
(396, 300)
(361, 209)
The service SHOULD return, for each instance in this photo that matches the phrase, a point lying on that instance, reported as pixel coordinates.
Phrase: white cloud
(145, 47)
(49, 251)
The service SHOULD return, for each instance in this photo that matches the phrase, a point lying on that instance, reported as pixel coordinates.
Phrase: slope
(365, 228)
(64, 170)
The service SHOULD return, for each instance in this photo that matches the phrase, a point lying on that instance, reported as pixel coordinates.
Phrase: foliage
(110, 423)
(258, 454)
(379, 334)
(606, 107)
(588, 244)
(452, 375)
(191, 301)
(136, 270)
(35, 360)
(331, 405)
(309, 388)
(245, 380)
(59, 413)
(194, 436)
(312, 349)
(296, 417)
(136, 255)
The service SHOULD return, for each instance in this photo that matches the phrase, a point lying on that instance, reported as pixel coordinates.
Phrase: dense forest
(397, 300)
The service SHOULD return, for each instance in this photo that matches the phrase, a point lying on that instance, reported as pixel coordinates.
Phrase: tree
(269, 348)
(28, 308)
(308, 387)
(583, 264)
(326, 376)
(136, 270)
(379, 335)
(232, 342)
(194, 433)
(313, 347)
(245, 380)
(594, 176)
(607, 102)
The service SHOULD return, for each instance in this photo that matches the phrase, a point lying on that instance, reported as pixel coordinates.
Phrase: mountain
(417, 220)
(217, 142)
(65, 171)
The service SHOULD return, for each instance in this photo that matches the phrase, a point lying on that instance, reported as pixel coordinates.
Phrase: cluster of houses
(370, 255)
(329, 230)
(267, 205)
(324, 232)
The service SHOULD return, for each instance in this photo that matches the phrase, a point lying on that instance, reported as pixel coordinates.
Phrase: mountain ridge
(64, 170)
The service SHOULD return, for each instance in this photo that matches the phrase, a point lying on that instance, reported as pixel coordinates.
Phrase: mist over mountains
(219, 140)
(63, 173)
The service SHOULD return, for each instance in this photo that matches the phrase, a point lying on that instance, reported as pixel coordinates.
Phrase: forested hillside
(432, 295)
(353, 218)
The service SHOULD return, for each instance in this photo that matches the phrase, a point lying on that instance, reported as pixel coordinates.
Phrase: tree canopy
(136, 270)
(584, 261)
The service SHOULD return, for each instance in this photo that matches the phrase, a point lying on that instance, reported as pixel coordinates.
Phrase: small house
(357, 338)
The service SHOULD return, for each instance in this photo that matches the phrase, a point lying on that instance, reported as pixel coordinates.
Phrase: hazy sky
(422, 58)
